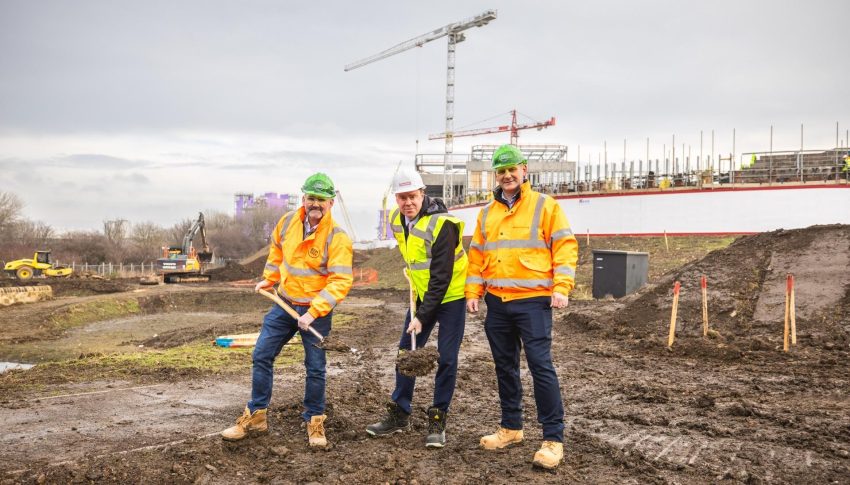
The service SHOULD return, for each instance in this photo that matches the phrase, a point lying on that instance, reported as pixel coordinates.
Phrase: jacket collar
(524, 189)
(430, 206)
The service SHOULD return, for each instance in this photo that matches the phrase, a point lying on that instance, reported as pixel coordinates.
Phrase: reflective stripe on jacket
(315, 270)
(521, 252)
(416, 252)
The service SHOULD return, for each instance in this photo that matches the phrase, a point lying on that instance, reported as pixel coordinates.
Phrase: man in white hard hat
(430, 241)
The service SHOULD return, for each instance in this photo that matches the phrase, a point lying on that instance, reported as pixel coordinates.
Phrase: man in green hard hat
(522, 260)
(310, 262)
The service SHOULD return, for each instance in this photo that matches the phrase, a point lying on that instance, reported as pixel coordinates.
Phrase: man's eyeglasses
(502, 171)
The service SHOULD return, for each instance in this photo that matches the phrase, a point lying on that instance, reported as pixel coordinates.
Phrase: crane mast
(346, 216)
(455, 34)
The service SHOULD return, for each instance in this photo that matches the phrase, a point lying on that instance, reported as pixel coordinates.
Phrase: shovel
(412, 295)
(420, 362)
(325, 344)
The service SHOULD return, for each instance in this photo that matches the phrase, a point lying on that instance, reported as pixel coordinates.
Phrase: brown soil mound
(76, 286)
(746, 293)
(234, 271)
(419, 362)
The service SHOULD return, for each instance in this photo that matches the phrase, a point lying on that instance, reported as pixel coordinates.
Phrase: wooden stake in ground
(704, 285)
(793, 312)
(666, 244)
(787, 313)
(672, 335)
(588, 237)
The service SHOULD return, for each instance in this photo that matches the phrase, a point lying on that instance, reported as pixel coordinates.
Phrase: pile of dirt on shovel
(418, 363)
(746, 295)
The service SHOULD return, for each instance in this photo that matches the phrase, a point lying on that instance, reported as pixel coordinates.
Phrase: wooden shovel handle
(412, 294)
(291, 311)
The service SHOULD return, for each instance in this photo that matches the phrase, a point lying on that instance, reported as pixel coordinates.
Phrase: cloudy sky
(151, 111)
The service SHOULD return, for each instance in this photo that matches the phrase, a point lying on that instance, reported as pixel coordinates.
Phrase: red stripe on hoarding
(631, 193)
(671, 234)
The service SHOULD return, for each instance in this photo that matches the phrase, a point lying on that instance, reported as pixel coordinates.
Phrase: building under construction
(472, 179)
(754, 192)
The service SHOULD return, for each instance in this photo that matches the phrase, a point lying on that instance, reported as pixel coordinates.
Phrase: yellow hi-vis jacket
(416, 252)
(521, 252)
(315, 270)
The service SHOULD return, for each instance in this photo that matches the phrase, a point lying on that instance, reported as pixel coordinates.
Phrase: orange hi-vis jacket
(315, 270)
(521, 252)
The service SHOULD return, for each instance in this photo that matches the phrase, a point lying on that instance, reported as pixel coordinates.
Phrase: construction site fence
(752, 168)
(118, 270)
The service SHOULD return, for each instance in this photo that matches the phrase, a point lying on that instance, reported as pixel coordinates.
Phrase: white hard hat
(407, 181)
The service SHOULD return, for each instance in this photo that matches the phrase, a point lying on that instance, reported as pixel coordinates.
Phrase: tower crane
(345, 215)
(382, 226)
(513, 128)
(455, 34)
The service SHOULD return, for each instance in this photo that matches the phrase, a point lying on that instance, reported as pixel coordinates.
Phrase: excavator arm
(204, 255)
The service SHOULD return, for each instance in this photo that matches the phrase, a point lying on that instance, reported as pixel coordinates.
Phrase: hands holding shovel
(304, 322)
(415, 328)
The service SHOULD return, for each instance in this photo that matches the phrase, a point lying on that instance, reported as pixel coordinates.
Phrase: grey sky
(154, 110)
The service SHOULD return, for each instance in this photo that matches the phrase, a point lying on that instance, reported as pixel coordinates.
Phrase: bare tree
(19, 237)
(148, 240)
(178, 231)
(115, 231)
(90, 247)
(10, 210)
(35, 234)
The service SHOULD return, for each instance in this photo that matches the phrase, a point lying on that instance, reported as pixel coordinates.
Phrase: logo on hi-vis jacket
(314, 253)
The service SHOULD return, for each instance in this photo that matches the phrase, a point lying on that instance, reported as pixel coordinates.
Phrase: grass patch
(81, 314)
(343, 320)
(192, 360)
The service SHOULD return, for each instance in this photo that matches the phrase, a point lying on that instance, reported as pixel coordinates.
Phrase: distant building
(246, 202)
(385, 232)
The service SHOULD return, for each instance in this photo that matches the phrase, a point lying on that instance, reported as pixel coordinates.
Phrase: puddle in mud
(4, 366)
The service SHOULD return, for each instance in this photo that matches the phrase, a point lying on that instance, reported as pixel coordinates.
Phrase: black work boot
(436, 428)
(395, 421)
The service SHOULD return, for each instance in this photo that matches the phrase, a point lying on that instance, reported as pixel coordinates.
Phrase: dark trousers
(509, 326)
(452, 318)
(278, 328)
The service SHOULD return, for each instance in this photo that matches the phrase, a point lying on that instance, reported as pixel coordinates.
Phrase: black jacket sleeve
(442, 267)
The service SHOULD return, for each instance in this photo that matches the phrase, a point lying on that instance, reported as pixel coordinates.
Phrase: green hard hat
(507, 156)
(319, 185)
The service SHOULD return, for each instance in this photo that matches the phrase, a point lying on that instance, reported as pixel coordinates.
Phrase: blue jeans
(278, 328)
(452, 318)
(509, 326)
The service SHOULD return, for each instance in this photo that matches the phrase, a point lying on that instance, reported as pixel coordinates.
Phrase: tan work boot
(247, 425)
(501, 439)
(549, 455)
(316, 431)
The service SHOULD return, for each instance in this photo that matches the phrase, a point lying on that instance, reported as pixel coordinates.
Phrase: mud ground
(732, 408)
